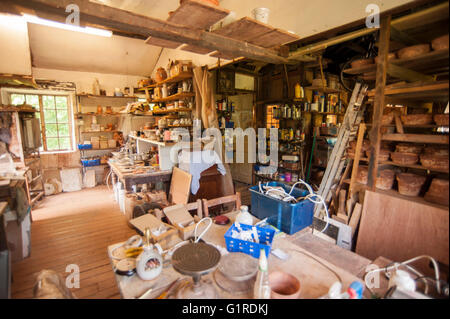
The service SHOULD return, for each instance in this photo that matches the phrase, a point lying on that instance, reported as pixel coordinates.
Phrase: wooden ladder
(336, 163)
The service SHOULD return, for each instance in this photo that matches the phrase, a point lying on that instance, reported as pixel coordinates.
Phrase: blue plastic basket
(289, 218)
(253, 249)
(84, 146)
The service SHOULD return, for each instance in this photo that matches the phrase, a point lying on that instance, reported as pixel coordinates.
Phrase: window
(271, 121)
(55, 118)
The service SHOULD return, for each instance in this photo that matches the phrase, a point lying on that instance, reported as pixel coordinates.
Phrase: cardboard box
(166, 239)
(182, 220)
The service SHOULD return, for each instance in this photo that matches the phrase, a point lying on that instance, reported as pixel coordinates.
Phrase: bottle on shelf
(262, 286)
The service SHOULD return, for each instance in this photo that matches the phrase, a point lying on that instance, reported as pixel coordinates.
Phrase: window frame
(6, 99)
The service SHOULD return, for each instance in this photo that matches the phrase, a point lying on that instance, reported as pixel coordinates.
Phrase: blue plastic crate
(90, 163)
(84, 146)
(253, 249)
(289, 218)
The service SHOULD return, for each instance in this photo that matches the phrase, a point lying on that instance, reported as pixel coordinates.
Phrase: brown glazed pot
(284, 285)
(410, 184)
(439, 162)
(417, 119)
(405, 158)
(413, 51)
(408, 148)
(438, 192)
(440, 43)
(385, 180)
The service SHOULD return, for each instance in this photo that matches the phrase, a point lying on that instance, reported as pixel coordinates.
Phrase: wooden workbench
(314, 278)
(130, 179)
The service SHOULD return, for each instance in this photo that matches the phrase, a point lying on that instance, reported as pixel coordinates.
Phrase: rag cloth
(195, 163)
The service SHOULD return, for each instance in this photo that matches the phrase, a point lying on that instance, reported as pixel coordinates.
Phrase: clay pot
(413, 51)
(417, 119)
(439, 162)
(441, 119)
(383, 155)
(391, 56)
(440, 43)
(408, 148)
(161, 75)
(387, 119)
(437, 150)
(318, 82)
(284, 285)
(438, 192)
(385, 180)
(365, 145)
(363, 173)
(410, 184)
(362, 62)
(404, 158)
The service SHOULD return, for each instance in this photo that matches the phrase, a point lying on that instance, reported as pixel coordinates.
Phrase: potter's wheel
(196, 260)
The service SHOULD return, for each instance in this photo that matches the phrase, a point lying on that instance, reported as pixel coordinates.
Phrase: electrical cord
(197, 239)
(406, 264)
(288, 197)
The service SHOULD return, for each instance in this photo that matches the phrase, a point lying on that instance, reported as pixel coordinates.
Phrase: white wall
(85, 80)
(14, 47)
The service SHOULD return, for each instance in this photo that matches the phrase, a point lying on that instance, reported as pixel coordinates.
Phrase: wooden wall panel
(400, 229)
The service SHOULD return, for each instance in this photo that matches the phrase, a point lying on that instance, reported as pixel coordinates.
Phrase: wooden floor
(88, 222)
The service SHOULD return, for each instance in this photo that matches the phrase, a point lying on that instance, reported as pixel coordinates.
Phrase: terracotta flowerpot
(438, 192)
(441, 119)
(404, 158)
(417, 119)
(363, 173)
(385, 180)
(410, 184)
(284, 285)
(383, 156)
(437, 150)
(391, 56)
(408, 148)
(387, 119)
(362, 62)
(440, 43)
(413, 51)
(439, 162)
(161, 75)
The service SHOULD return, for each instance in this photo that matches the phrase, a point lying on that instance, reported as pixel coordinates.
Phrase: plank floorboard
(74, 228)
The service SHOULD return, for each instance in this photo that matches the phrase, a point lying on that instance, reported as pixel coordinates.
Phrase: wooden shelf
(172, 79)
(101, 149)
(171, 111)
(175, 97)
(95, 114)
(175, 126)
(414, 167)
(98, 132)
(425, 63)
(322, 89)
(106, 96)
(146, 140)
(417, 138)
(418, 90)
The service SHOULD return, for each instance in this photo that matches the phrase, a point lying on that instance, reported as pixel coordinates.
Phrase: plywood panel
(399, 229)
(245, 29)
(275, 38)
(255, 32)
(197, 14)
(224, 56)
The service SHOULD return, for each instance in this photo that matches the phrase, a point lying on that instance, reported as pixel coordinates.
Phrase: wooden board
(255, 32)
(224, 56)
(197, 14)
(195, 49)
(180, 187)
(275, 38)
(162, 43)
(245, 29)
(400, 229)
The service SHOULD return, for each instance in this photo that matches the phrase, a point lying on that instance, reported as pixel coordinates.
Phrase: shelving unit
(422, 88)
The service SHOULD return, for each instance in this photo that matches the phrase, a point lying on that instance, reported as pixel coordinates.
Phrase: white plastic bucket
(261, 14)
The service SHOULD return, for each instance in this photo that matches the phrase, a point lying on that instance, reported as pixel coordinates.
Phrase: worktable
(130, 179)
(314, 278)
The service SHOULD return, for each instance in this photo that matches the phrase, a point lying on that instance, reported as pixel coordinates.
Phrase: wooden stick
(356, 216)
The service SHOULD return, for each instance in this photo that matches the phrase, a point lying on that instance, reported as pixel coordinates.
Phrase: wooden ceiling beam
(128, 22)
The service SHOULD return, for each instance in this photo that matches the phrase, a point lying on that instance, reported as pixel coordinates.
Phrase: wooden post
(375, 133)
(359, 144)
